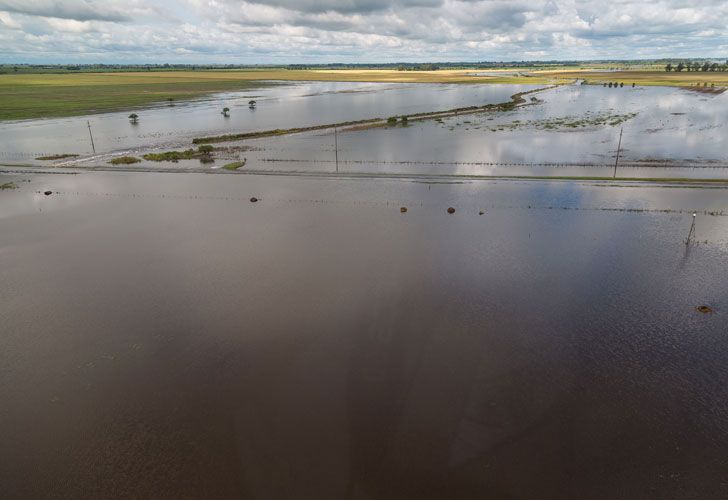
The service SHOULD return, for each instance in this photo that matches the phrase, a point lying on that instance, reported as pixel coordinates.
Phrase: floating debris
(704, 309)
(451, 210)
(253, 200)
(48, 193)
(403, 210)
(481, 212)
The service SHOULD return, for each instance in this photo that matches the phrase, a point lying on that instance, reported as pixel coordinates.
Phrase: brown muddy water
(164, 337)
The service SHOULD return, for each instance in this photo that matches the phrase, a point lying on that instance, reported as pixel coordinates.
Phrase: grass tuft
(235, 165)
(125, 160)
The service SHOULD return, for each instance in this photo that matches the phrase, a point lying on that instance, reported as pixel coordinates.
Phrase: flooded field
(566, 131)
(283, 105)
(165, 337)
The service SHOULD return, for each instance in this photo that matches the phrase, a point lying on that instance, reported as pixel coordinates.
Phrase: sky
(357, 31)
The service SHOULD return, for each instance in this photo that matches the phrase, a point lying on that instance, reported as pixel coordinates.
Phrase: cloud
(289, 31)
(78, 10)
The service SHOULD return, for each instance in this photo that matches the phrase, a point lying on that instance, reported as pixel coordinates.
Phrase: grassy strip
(235, 165)
(56, 157)
(125, 160)
(516, 99)
(8, 185)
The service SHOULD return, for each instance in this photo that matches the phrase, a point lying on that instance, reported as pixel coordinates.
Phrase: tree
(134, 118)
(696, 66)
(252, 104)
(225, 112)
(668, 68)
(680, 67)
(706, 67)
(688, 66)
(714, 67)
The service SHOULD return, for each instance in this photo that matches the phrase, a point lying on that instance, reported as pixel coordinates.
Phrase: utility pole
(92, 137)
(619, 147)
(691, 234)
(336, 148)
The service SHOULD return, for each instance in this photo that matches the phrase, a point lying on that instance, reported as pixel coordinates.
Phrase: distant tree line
(695, 67)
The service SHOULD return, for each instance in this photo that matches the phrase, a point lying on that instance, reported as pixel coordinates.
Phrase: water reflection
(165, 337)
(671, 125)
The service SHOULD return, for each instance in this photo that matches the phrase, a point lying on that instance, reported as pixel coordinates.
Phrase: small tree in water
(134, 118)
(252, 104)
(225, 112)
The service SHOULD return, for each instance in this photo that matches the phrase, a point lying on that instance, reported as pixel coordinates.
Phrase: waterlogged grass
(8, 185)
(649, 77)
(125, 160)
(588, 120)
(234, 166)
(26, 96)
(56, 157)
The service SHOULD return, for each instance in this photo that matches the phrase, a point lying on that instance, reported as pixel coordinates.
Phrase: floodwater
(572, 131)
(164, 337)
(287, 105)
(567, 131)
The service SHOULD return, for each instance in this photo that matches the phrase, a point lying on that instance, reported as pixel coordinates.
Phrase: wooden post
(619, 147)
(92, 137)
(336, 148)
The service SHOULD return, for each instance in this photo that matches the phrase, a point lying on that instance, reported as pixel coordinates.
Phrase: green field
(48, 95)
(24, 95)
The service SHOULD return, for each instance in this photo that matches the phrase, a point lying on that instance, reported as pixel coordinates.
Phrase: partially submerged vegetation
(203, 153)
(8, 185)
(235, 165)
(56, 157)
(567, 122)
(125, 160)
